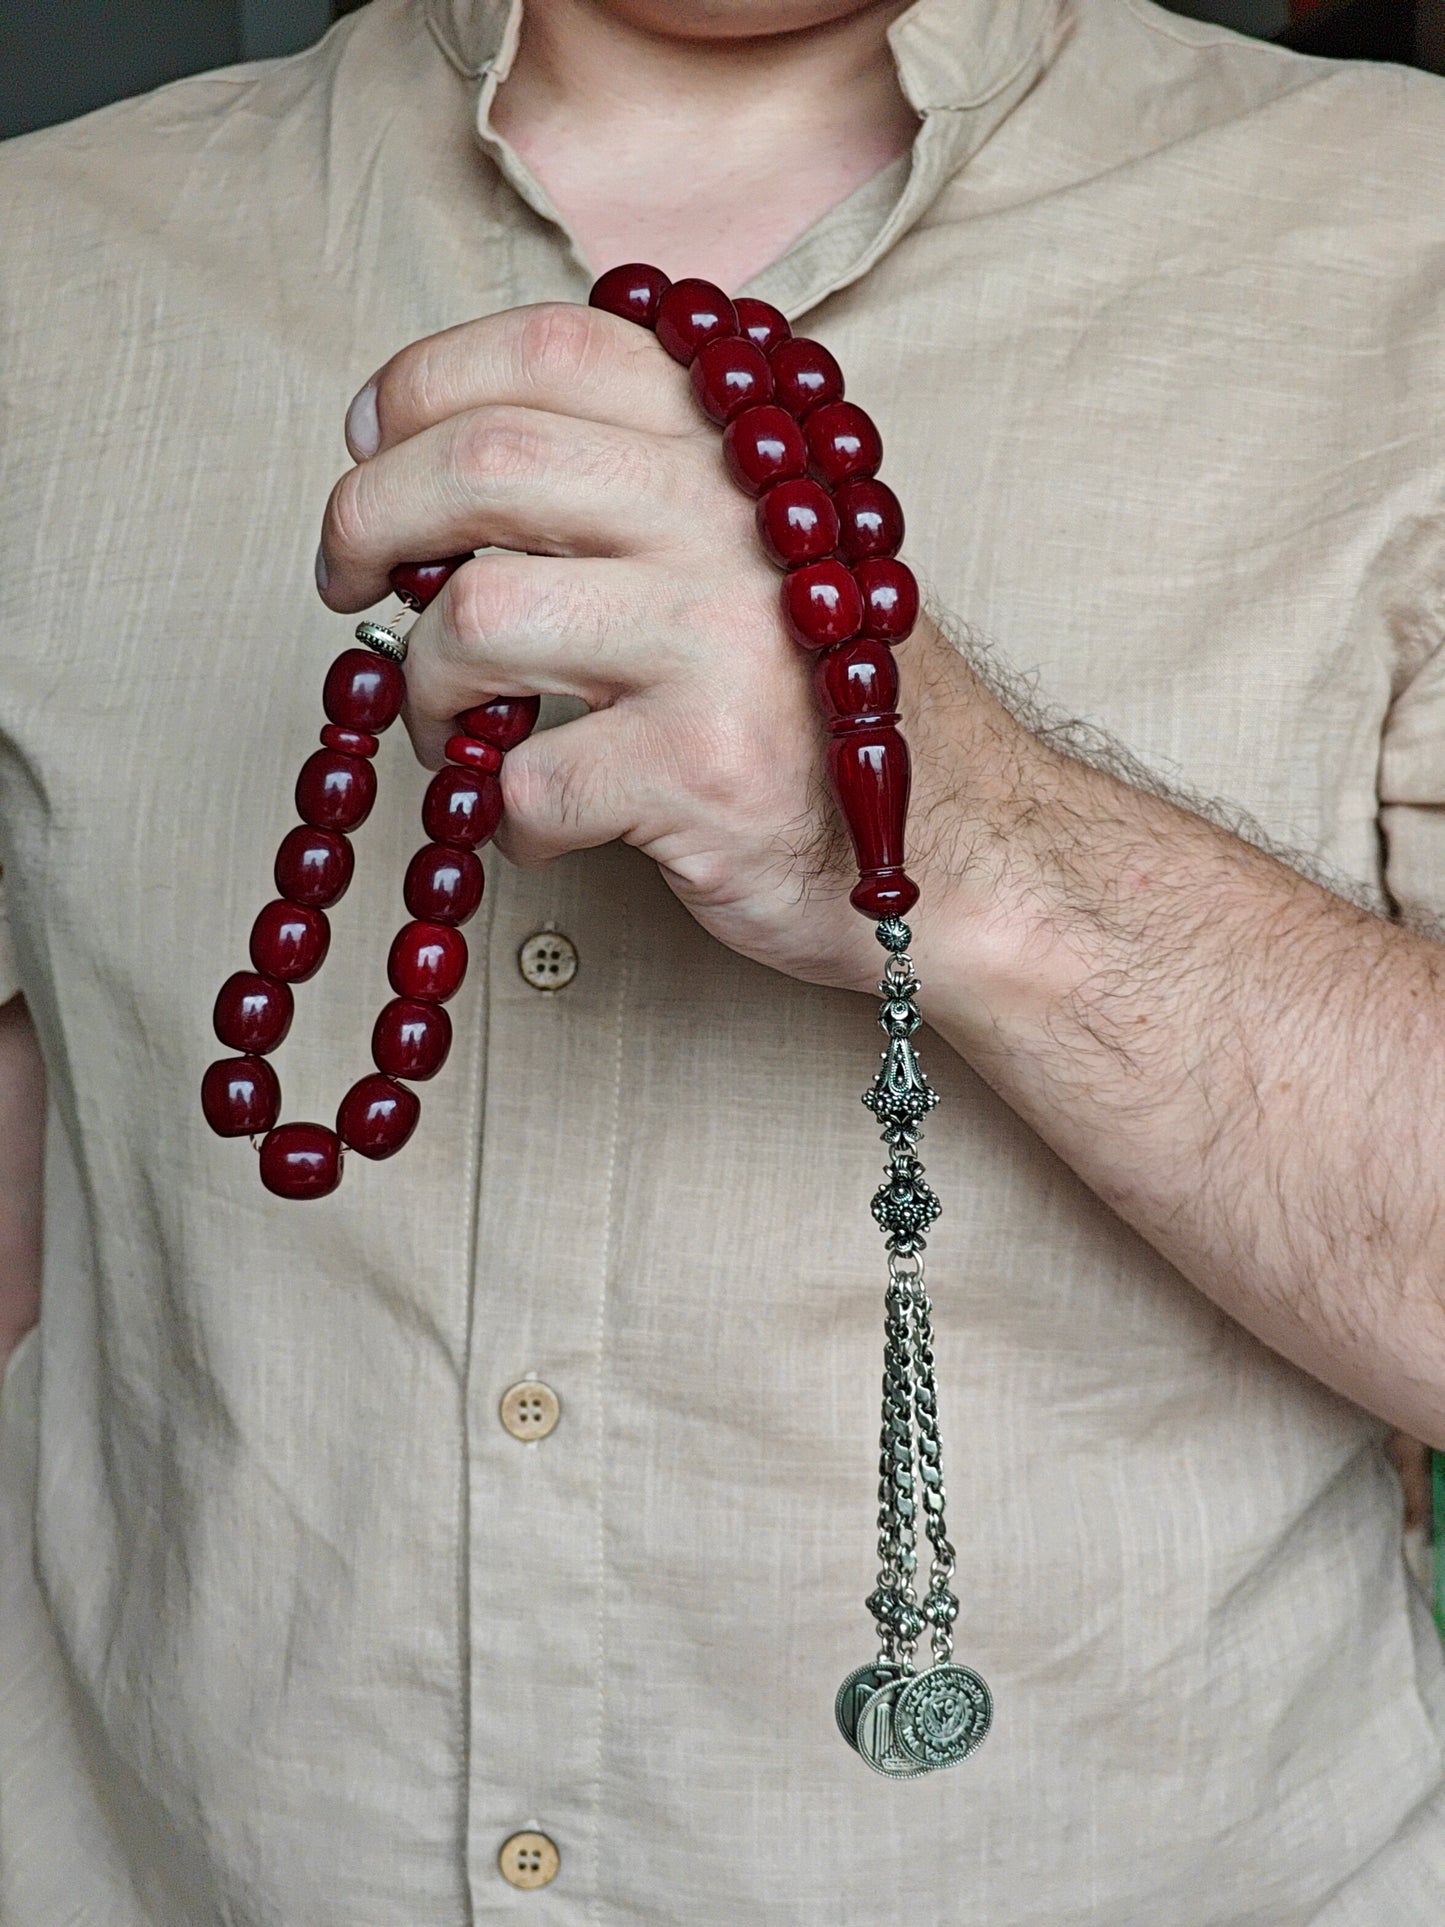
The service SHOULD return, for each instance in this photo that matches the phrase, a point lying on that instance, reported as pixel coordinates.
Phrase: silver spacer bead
(386, 642)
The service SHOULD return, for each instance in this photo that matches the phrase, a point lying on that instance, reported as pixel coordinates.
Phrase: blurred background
(59, 58)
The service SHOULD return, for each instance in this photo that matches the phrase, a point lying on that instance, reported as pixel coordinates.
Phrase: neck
(705, 156)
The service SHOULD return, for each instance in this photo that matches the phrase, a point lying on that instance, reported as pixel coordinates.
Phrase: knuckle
(558, 343)
(495, 447)
(481, 601)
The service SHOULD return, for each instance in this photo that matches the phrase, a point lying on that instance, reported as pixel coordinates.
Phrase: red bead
(842, 442)
(313, 866)
(870, 520)
(729, 375)
(891, 893)
(632, 292)
(762, 446)
(240, 1096)
(797, 523)
(427, 961)
(890, 598)
(821, 604)
(411, 1039)
(376, 1116)
(253, 1013)
(333, 791)
(505, 721)
(443, 885)
(691, 313)
(805, 375)
(761, 322)
(289, 941)
(363, 691)
(418, 583)
(856, 680)
(461, 808)
(471, 754)
(301, 1161)
(354, 742)
(870, 777)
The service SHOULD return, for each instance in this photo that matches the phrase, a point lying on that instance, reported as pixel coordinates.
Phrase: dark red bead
(505, 721)
(890, 598)
(761, 322)
(418, 583)
(411, 1039)
(314, 866)
(729, 375)
(376, 1116)
(805, 375)
(797, 523)
(289, 941)
(461, 808)
(469, 753)
(821, 604)
(253, 1013)
(870, 776)
(240, 1096)
(335, 792)
(363, 691)
(354, 742)
(870, 520)
(855, 680)
(428, 961)
(891, 893)
(443, 885)
(301, 1161)
(842, 443)
(691, 313)
(762, 446)
(632, 292)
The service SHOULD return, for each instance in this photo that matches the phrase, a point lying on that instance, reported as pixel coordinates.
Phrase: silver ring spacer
(386, 642)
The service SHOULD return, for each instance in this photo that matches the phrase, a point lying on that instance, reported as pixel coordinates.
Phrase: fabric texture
(291, 1629)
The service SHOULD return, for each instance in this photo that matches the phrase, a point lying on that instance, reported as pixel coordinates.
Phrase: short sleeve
(1412, 748)
(9, 971)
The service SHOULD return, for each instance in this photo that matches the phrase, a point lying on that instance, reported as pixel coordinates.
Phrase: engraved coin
(876, 1740)
(942, 1716)
(860, 1684)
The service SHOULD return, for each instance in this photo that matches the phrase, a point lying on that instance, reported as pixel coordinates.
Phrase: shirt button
(529, 1860)
(530, 1409)
(548, 961)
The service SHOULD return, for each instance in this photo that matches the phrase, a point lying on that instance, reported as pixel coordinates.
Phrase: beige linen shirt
(293, 1630)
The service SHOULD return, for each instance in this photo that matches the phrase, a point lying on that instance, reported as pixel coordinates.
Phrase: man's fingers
(572, 360)
(571, 788)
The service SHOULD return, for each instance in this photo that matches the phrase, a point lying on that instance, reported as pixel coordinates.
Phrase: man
(303, 1620)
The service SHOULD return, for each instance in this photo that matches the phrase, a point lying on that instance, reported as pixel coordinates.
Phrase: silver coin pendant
(876, 1740)
(859, 1686)
(941, 1716)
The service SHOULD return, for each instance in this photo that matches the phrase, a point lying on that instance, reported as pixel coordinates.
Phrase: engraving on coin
(877, 1742)
(942, 1716)
(859, 1686)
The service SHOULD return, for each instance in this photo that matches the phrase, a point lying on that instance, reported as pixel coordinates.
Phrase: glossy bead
(505, 721)
(729, 375)
(805, 375)
(890, 598)
(762, 446)
(314, 866)
(253, 1013)
(469, 753)
(691, 313)
(443, 885)
(888, 893)
(427, 961)
(240, 1096)
(418, 583)
(842, 443)
(797, 523)
(461, 808)
(870, 777)
(870, 520)
(856, 679)
(411, 1039)
(363, 691)
(821, 604)
(289, 941)
(333, 791)
(761, 322)
(377, 1116)
(353, 742)
(301, 1161)
(632, 292)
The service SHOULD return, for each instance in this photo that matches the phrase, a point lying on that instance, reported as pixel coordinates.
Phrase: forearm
(1244, 1067)
(22, 1130)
